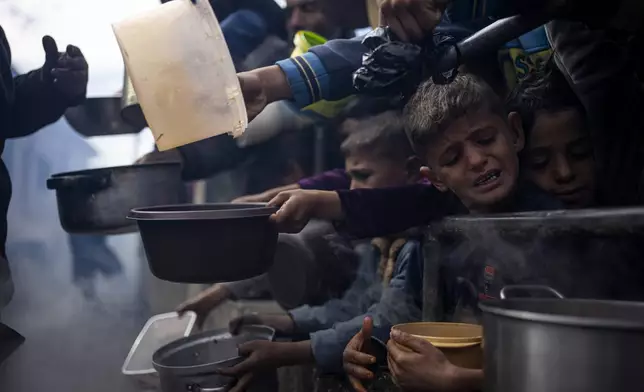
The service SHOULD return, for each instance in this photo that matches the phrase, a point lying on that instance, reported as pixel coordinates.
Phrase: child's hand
(262, 355)
(419, 366)
(298, 207)
(204, 302)
(355, 361)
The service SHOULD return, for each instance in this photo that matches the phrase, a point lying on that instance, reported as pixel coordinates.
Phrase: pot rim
(183, 212)
(205, 368)
(496, 308)
(113, 168)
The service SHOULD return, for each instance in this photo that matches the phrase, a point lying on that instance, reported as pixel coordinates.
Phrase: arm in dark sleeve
(378, 212)
(398, 304)
(253, 288)
(207, 157)
(35, 102)
(331, 180)
(600, 73)
(309, 319)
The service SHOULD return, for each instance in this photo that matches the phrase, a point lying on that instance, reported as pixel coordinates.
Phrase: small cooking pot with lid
(191, 363)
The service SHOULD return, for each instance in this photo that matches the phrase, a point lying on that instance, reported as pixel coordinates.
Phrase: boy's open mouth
(488, 178)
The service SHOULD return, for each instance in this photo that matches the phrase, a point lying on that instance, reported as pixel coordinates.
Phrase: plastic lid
(157, 332)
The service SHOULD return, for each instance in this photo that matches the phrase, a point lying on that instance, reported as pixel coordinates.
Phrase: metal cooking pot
(562, 345)
(131, 111)
(99, 117)
(207, 243)
(191, 363)
(98, 201)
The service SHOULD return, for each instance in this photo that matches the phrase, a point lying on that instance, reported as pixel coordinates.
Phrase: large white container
(182, 73)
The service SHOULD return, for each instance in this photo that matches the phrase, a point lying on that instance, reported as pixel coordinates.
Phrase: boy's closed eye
(580, 149)
(538, 158)
(360, 174)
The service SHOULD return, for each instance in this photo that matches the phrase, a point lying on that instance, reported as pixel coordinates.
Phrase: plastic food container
(182, 73)
(159, 330)
(461, 343)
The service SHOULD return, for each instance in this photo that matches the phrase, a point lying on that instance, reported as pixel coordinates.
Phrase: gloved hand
(66, 71)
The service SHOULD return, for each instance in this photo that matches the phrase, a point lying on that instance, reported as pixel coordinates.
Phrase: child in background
(559, 154)
(378, 154)
(463, 135)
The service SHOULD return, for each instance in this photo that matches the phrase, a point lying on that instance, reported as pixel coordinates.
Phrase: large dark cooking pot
(207, 243)
(99, 117)
(563, 345)
(191, 363)
(98, 201)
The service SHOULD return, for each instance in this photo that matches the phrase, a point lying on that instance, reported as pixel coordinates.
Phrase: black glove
(66, 71)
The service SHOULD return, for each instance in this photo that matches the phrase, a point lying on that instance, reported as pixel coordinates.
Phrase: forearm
(467, 380)
(298, 353)
(371, 213)
(36, 105)
(328, 207)
(274, 82)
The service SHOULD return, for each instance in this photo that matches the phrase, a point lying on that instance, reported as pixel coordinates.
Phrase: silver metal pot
(190, 364)
(562, 345)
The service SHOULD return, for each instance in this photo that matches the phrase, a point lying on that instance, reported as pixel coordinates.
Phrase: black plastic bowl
(207, 243)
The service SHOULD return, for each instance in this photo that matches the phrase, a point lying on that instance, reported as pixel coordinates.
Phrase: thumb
(50, 47)
(367, 328)
(411, 342)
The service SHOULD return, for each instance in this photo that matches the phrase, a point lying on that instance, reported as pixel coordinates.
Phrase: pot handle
(90, 183)
(533, 288)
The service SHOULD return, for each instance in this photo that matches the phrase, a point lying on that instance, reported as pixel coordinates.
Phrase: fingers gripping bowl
(207, 243)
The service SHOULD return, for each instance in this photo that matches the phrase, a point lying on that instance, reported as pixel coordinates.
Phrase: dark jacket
(333, 324)
(27, 103)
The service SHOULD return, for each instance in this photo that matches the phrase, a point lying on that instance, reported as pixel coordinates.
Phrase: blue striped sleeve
(307, 78)
(325, 72)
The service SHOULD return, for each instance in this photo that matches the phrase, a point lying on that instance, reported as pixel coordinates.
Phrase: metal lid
(573, 312)
(108, 170)
(588, 220)
(207, 351)
(203, 211)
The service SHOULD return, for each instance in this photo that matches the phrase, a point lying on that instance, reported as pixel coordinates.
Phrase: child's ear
(516, 129)
(430, 175)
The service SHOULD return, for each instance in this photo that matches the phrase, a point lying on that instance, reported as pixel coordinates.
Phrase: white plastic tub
(182, 73)
(156, 333)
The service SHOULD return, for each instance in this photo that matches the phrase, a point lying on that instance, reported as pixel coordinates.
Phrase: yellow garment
(303, 41)
(389, 249)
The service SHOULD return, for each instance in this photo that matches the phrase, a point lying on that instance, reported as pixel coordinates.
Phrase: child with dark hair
(559, 154)
(463, 134)
(378, 154)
